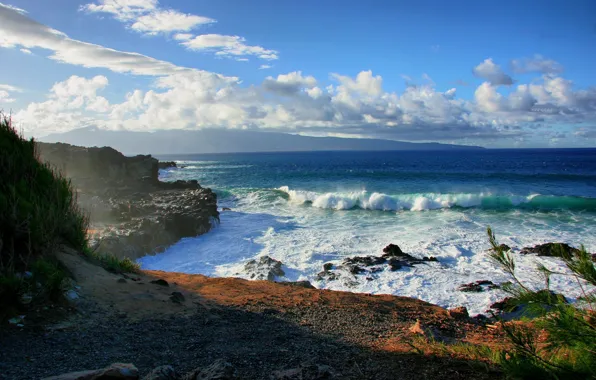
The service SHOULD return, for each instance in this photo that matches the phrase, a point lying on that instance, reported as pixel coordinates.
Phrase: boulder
(264, 268)
(460, 313)
(550, 249)
(116, 371)
(478, 286)
(219, 370)
(166, 164)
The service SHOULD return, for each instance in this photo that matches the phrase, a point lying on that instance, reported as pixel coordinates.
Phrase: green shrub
(561, 342)
(38, 208)
(38, 214)
(112, 263)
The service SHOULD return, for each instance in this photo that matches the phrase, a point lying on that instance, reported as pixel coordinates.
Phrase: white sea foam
(304, 238)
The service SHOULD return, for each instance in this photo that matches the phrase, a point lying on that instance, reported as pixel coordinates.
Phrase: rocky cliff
(132, 213)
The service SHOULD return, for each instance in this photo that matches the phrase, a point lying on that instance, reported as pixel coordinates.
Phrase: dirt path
(258, 326)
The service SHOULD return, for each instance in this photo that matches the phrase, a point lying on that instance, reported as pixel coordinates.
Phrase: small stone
(459, 313)
(177, 297)
(72, 295)
(416, 328)
(165, 372)
(122, 281)
(219, 370)
(160, 282)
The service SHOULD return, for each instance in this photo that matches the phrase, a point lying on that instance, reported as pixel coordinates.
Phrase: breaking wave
(433, 201)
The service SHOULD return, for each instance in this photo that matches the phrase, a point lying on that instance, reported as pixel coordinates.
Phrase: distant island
(229, 141)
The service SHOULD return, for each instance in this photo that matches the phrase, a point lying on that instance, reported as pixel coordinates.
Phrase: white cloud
(289, 84)
(537, 64)
(17, 29)
(5, 94)
(12, 7)
(26, 51)
(354, 105)
(492, 72)
(168, 21)
(228, 46)
(183, 36)
(265, 67)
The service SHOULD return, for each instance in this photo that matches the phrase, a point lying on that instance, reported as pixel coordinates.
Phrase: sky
(496, 74)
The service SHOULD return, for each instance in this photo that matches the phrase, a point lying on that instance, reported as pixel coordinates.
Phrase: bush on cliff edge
(38, 210)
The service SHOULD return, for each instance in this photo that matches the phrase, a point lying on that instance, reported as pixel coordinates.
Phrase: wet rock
(264, 268)
(393, 251)
(160, 282)
(509, 309)
(302, 284)
(460, 313)
(226, 209)
(478, 286)
(327, 266)
(219, 370)
(165, 372)
(177, 297)
(550, 249)
(166, 164)
(504, 247)
(116, 371)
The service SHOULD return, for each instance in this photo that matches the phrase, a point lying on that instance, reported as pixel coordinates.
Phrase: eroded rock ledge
(132, 213)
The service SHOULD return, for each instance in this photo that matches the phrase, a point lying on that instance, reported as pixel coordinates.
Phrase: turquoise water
(306, 209)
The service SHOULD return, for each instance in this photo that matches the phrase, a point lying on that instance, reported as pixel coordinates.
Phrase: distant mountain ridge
(229, 141)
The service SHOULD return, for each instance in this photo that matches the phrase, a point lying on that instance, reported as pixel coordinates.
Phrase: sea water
(307, 209)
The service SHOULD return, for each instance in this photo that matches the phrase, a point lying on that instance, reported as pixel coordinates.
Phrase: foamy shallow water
(304, 227)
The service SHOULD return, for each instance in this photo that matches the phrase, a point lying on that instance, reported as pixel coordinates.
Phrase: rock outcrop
(132, 212)
(265, 268)
(550, 249)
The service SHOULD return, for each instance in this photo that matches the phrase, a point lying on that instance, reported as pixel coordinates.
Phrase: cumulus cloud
(185, 98)
(289, 84)
(146, 17)
(228, 46)
(537, 64)
(492, 72)
(265, 67)
(5, 94)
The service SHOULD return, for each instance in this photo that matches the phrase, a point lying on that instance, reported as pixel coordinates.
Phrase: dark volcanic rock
(550, 249)
(265, 268)
(166, 164)
(132, 213)
(478, 286)
(392, 250)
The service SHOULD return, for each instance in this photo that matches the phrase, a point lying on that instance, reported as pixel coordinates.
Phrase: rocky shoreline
(132, 213)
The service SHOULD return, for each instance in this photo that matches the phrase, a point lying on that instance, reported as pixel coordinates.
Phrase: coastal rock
(550, 250)
(509, 309)
(165, 372)
(116, 371)
(219, 370)
(166, 164)
(265, 268)
(478, 286)
(131, 212)
(460, 313)
(393, 251)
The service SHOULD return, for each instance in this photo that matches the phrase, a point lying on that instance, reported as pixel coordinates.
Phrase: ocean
(308, 209)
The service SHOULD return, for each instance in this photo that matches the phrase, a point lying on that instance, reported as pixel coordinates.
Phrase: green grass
(112, 263)
(38, 214)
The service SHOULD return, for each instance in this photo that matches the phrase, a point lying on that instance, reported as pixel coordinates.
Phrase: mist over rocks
(132, 212)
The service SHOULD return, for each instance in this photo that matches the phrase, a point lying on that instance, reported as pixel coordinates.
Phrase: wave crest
(434, 201)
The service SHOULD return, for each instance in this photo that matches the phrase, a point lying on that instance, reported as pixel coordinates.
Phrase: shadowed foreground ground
(258, 326)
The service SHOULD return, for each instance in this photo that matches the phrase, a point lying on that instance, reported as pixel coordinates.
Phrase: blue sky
(504, 74)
